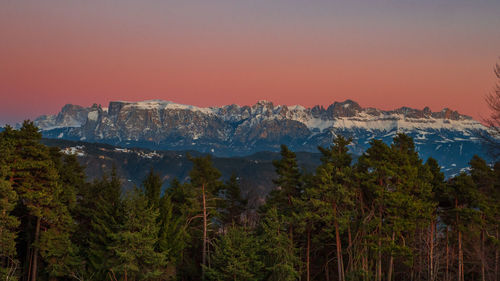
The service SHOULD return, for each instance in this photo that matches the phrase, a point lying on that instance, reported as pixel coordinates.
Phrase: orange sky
(383, 54)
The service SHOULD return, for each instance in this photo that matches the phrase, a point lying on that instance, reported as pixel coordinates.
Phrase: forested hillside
(387, 216)
(254, 172)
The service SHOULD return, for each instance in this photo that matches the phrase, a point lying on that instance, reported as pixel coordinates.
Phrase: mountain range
(233, 130)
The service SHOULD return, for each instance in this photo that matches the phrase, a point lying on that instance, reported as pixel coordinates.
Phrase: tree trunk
(308, 250)
(431, 251)
(340, 264)
(420, 262)
(28, 263)
(364, 260)
(497, 254)
(447, 272)
(379, 255)
(483, 271)
(350, 265)
(391, 262)
(291, 226)
(204, 251)
(460, 254)
(327, 269)
(34, 269)
(460, 258)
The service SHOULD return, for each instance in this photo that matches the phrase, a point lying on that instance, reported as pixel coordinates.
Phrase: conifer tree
(463, 194)
(105, 218)
(172, 238)
(133, 244)
(494, 217)
(152, 188)
(376, 169)
(36, 181)
(410, 206)
(180, 215)
(233, 204)
(289, 185)
(438, 186)
(485, 181)
(306, 219)
(8, 222)
(278, 253)
(205, 179)
(331, 193)
(236, 256)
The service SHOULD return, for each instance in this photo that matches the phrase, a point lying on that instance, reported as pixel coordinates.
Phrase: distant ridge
(234, 130)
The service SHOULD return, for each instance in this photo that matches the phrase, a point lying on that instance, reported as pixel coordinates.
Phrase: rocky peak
(347, 108)
(70, 116)
(263, 104)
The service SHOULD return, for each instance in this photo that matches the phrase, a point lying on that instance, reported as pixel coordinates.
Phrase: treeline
(389, 216)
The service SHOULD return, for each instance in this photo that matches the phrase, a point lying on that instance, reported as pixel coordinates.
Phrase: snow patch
(161, 104)
(93, 115)
(74, 150)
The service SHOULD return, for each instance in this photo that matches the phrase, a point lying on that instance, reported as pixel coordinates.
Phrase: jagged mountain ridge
(234, 130)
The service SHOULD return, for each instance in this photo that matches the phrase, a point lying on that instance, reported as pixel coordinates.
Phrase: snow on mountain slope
(241, 130)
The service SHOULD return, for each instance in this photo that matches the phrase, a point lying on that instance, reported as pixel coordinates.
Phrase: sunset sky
(384, 54)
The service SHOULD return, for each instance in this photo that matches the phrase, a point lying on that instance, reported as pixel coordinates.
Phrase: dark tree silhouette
(492, 139)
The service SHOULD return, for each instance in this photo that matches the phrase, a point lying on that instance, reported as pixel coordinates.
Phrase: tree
(493, 100)
(232, 204)
(180, 213)
(105, 217)
(43, 206)
(438, 186)
(173, 238)
(236, 256)
(152, 188)
(278, 253)
(205, 179)
(134, 243)
(331, 193)
(8, 222)
(397, 189)
(289, 185)
(376, 169)
(485, 179)
(463, 194)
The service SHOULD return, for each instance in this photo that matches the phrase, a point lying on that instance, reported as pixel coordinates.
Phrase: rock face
(234, 130)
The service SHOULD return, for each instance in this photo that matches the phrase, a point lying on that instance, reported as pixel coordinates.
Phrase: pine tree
(484, 178)
(331, 194)
(152, 188)
(289, 182)
(205, 179)
(233, 204)
(105, 219)
(289, 185)
(181, 221)
(172, 239)
(463, 194)
(410, 207)
(278, 253)
(8, 222)
(36, 181)
(236, 256)
(438, 186)
(306, 219)
(376, 168)
(133, 244)
(494, 217)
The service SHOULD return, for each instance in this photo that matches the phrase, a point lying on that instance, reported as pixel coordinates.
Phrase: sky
(380, 53)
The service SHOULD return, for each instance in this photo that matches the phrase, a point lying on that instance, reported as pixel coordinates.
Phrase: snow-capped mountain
(234, 130)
